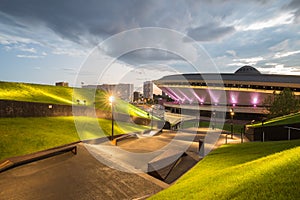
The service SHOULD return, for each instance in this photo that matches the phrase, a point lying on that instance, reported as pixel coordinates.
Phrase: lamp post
(152, 118)
(111, 102)
(214, 119)
(231, 124)
(262, 129)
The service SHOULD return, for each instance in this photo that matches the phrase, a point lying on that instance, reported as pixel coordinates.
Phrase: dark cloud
(295, 6)
(148, 56)
(210, 32)
(76, 18)
(99, 19)
(88, 22)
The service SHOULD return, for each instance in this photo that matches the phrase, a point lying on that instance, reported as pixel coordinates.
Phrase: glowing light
(233, 98)
(185, 97)
(111, 98)
(254, 100)
(173, 95)
(201, 100)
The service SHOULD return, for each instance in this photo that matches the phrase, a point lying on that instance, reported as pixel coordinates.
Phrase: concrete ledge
(20, 160)
(161, 166)
(122, 137)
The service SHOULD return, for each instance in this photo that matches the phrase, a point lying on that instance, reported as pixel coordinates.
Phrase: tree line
(282, 103)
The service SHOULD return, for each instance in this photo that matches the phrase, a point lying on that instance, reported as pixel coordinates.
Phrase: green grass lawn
(286, 119)
(40, 93)
(66, 96)
(267, 170)
(20, 136)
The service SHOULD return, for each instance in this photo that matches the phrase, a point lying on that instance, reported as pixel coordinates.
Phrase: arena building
(243, 91)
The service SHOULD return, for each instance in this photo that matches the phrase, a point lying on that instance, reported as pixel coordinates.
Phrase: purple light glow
(254, 99)
(214, 96)
(175, 95)
(171, 95)
(233, 98)
(201, 100)
(185, 97)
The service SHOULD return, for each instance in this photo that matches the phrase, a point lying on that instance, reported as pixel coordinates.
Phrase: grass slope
(286, 119)
(64, 95)
(242, 171)
(38, 93)
(20, 136)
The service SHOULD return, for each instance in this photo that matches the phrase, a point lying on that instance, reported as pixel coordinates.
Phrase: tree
(282, 103)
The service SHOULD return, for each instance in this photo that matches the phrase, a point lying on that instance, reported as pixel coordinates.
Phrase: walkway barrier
(289, 131)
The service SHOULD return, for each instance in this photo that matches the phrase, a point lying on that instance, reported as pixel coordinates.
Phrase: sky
(54, 40)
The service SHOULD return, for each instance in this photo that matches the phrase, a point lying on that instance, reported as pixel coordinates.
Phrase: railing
(289, 131)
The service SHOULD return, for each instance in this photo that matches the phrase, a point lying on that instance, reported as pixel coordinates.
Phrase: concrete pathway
(81, 176)
(69, 176)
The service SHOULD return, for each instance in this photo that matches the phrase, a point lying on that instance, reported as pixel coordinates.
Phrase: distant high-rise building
(136, 96)
(148, 90)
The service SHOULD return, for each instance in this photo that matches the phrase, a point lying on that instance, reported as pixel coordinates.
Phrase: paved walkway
(81, 176)
(69, 176)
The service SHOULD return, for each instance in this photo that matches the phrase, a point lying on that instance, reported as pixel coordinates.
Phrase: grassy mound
(65, 96)
(242, 171)
(39, 93)
(20, 136)
(283, 120)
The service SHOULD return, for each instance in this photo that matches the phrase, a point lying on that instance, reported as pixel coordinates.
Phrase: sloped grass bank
(267, 170)
(283, 120)
(66, 96)
(20, 136)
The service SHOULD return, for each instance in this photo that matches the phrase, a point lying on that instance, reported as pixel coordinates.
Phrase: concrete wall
(273, 133)
(31, 109)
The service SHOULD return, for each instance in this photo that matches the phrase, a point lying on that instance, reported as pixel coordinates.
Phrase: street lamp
(231, 124)
(214, 119)
(151, 117)
(111, 102)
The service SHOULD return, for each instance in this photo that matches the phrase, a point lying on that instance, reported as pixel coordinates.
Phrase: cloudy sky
(50, 40)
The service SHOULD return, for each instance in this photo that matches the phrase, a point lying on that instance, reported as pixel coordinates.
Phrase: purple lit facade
(245, 90)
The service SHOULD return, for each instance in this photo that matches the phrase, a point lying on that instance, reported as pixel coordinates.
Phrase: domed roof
(247, 70)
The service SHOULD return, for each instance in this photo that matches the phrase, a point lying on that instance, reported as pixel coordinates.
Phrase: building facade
(245, 90)
(148, 90)
(136, 96)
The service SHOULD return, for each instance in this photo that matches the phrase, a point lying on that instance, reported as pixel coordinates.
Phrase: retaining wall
(273, 133)
(30, 109)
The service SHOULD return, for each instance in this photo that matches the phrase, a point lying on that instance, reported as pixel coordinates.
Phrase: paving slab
(68, 176)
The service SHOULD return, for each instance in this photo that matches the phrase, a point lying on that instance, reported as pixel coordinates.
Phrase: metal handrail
(289, 131)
